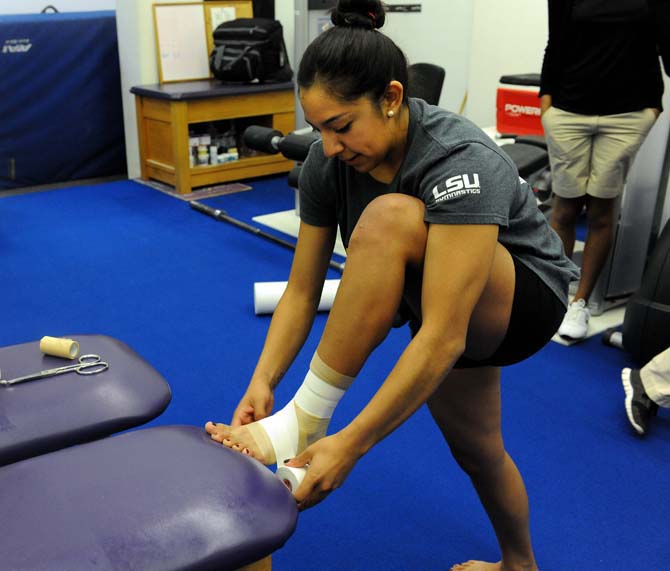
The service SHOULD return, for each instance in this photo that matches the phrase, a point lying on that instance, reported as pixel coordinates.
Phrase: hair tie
(373, 18)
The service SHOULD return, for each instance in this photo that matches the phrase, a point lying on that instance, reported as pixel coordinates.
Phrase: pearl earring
(390, 113)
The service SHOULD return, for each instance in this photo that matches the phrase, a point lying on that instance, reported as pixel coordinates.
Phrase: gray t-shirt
(461, 176)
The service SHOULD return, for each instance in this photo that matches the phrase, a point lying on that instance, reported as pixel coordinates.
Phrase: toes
(228, 443)
(218, 429)
(221, 433)
(238, 447)
(221, 439)
(476, 565)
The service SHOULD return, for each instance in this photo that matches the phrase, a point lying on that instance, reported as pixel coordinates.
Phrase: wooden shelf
(164, 113)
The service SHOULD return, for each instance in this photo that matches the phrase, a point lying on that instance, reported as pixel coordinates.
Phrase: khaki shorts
(592, 154)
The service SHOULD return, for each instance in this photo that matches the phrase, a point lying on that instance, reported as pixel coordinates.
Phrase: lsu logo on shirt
(456, 186)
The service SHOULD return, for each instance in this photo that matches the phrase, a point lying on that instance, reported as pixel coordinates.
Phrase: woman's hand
(545, 103)
(328, 462)
(256, 403)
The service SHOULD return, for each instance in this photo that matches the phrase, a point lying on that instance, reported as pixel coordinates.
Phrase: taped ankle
(305, 419)
(310, 428)
(328, 375)
(281, 431)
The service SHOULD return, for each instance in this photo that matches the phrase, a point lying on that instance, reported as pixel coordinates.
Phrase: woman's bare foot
(478, 566)
(250, 439)
(275, 438)
(482, 566)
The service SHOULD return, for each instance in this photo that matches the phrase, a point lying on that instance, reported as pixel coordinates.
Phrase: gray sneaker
(639, 407)
(576, 321)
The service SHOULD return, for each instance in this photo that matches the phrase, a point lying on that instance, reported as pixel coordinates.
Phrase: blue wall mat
(60, 98)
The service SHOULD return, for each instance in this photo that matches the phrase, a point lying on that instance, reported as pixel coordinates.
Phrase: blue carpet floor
(124, 260)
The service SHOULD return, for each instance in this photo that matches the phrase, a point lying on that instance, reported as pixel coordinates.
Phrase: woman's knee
(478, 457)
(391, 221)
(477, 447)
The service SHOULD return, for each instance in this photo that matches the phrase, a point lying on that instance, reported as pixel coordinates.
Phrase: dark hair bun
(369, 14)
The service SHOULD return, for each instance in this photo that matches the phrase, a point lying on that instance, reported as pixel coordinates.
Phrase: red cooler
(518, 105)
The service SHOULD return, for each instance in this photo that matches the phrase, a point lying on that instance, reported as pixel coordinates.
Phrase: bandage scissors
(87, 365)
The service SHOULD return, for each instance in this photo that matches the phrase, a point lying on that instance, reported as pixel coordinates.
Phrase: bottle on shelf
(203, 155)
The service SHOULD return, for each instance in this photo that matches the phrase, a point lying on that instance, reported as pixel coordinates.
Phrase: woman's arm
(291, 321)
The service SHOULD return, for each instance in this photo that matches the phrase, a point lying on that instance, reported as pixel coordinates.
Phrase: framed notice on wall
(184, 35)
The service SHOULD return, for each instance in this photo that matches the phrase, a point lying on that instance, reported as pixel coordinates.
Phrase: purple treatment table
(48, 414)
(165, 498)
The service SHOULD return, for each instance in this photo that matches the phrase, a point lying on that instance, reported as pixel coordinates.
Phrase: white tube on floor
(267, 294)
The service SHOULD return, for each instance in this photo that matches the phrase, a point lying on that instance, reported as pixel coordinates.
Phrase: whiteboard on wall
(181, 42)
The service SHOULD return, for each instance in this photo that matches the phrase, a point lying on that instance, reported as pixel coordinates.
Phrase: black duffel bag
(248, 50)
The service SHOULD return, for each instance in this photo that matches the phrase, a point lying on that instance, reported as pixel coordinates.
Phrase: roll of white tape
(59, 347)
(267, 294)
(292, 477)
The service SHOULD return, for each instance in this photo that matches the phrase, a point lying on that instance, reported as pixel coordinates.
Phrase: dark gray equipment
(646, 325)
(293, 146)
(426, 81)
(529, 153)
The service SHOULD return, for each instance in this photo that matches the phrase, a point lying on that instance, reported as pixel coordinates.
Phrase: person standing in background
(601, 89)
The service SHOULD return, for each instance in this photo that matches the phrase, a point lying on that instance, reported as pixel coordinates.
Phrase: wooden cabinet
(165, 112)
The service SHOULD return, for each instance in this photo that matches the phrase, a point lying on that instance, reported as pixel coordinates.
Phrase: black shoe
(639, 407)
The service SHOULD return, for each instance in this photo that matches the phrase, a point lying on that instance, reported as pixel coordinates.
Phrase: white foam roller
(267, 294)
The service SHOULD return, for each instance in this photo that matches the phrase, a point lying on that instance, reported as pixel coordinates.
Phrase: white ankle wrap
(282, 430)
(317, 397)
(306, 417)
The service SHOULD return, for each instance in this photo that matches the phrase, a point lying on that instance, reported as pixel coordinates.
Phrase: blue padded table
(48, 414)
(165, 498)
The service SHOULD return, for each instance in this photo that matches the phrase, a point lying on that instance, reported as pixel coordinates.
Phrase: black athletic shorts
(537, 313)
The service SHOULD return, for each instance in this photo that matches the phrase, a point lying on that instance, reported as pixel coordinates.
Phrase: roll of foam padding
(267, 294)
(59, 347)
